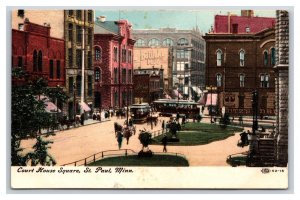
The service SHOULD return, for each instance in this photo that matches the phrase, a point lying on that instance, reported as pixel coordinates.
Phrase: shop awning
(211, 99)
(51, 107)
(202, 100)
(85, 107)
(167, 96)
(176, 94)
(197, 90)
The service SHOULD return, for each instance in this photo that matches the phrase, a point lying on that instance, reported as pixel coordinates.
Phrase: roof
(107, 27)
(256, 24)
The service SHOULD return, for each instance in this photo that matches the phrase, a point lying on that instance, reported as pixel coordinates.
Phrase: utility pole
(82, 65)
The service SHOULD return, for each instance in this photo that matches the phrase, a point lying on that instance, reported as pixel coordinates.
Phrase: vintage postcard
(158, 99)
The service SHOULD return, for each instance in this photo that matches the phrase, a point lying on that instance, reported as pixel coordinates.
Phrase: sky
(180, 19)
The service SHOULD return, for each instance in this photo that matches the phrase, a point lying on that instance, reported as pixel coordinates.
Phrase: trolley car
(140, 112)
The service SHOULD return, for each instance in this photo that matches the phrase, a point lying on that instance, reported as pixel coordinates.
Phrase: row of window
(166, 42)
(221, 59)
(77, 85)
(51, 69)
(78, 14)
(264, 80)
(79, 58)
(125, 57)
(124, 75)
(78, 34)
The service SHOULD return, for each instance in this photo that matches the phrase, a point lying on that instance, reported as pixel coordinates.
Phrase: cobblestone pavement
(78, 143)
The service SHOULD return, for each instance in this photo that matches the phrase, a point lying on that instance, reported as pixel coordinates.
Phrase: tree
(145, 139)
(28, 114)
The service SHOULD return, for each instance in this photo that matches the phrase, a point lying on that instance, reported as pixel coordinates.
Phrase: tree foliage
(145, 138)
(28, 114)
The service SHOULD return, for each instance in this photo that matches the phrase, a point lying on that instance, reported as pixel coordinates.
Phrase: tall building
(78, 34)
(113, 67)
(38, 45)
(240, 56)
(188, 54)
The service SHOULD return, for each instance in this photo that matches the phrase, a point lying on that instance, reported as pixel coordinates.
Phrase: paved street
(75, 144)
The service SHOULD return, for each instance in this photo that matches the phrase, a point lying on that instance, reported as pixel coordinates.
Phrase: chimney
(247, 13)
(101, 19)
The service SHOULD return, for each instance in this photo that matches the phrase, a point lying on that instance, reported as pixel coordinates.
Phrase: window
(20, 61)
(21, 27)
(115, 54)
(242, 80)
(115, 75)
(264, 102)
(51, 69)
(247, 29)
(78, 58)
(90, 16)
(242, 58)
(140, 43)
(273, 60)
(90, 36)
(235, 28)
(21, 13)
(130, 76)
(219, 80)
(90, 59)
(97, 54)
(168, 42)
(153, 42)
(129, 57)
(180, 66)
(123, 75)
(71, 87)
(58, 69)
(219, 57)
(182, 53)
(116, 99)
(71, 12)
(78, 14)
(35, 61)
(264, 80)
(98, 75)
(70, 32)
(182, 42)
(40, 61)
(266, 58)
(78, 85)
(124, 54)
(78, 34)
(241, 101)
(70, 56)
(90, 85)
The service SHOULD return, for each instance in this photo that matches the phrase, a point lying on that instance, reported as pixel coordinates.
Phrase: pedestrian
(163, 125)
(82, 119)
(164, 142)
(119, 139)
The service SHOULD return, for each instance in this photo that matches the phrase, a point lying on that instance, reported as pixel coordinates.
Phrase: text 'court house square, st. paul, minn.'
(126, 88)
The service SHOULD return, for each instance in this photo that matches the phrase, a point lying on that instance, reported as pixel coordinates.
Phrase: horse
(127, 133)
(118, 127)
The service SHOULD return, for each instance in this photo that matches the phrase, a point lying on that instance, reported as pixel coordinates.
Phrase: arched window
(40, 61)
(264, 80)
(273, 56)
(242, 58)
(219, 57)
(153, 42)
(97, 75)
(182, 42)
(35, 61)
(242, 80)
(219, 80)
(168, 42)
(266, 58)
(98, 54)
(140, 43)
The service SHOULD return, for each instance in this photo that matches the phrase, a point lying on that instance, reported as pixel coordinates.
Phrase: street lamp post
(74, 101)
(254, 110)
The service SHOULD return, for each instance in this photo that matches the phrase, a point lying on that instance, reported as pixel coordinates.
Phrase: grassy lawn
(154, 161)
(199, 134)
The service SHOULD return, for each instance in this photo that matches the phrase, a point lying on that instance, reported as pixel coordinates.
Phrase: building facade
(113, 46)
(240, 62)
(35, 48)
(78, 34)
(148, 58)
(146, 85)
(188, 53)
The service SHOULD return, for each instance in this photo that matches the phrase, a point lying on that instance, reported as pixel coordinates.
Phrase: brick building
(146, 85)
(113, 66)
(240, 61)
(78, 34)
(34, 47)
(187, 50)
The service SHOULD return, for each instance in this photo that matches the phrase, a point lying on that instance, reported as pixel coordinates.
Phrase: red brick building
(34, 50)
(241, 61)
(113, 63)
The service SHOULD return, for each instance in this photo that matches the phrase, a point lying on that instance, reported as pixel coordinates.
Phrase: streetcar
(140, 112)
(168, 107)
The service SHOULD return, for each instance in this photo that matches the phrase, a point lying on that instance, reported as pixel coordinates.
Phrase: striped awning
(85, 107)
(211, 99)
